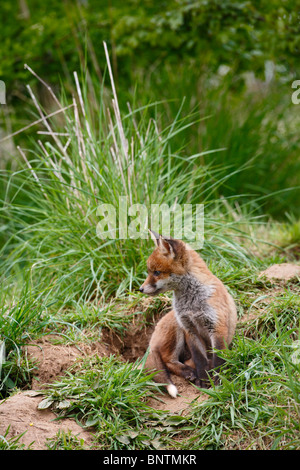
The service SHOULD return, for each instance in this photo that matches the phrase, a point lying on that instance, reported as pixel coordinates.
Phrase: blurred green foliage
(232, 60)
(48, 35)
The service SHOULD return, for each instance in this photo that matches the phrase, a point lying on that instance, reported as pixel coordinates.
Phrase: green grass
(109, 395)
(11, 443)
(257, 406)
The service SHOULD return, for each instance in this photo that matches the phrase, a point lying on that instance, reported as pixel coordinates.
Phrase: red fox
(203, 317)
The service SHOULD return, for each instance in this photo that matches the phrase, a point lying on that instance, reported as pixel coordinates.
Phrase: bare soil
(281, 272)
(52, 358)
(21, 412)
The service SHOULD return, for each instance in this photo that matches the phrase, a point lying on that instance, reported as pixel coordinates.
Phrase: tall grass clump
(86, 154)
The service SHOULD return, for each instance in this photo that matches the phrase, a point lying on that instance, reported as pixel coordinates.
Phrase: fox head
(165, 265)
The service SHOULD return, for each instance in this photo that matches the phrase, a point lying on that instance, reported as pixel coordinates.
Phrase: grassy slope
(256, 407)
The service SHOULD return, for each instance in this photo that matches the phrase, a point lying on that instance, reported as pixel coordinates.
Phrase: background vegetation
(233, 61)
(202, 114)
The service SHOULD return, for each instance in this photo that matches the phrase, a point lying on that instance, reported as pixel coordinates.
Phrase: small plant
(65, 441)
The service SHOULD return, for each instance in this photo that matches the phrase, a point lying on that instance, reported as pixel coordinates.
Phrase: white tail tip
(172, 390)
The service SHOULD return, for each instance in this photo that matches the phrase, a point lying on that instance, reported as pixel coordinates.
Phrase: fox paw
(202, 383)
(190, 374)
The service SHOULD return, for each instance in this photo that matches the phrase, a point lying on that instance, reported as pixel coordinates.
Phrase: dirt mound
(22, 414)
(282, 272)
(52, 358)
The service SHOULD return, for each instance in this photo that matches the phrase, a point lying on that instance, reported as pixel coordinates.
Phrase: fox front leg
(217, 361)
(182, 370)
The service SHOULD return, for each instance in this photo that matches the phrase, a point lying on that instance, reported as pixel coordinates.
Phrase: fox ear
(155, 237)
(165, 247)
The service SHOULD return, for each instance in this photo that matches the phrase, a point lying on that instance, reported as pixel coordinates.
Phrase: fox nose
(141, 289)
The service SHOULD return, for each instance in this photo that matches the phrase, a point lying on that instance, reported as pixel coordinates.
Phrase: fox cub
(203, 316)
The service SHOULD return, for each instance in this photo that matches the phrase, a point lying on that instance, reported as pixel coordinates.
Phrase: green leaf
(123, 439)
(44, 404)
(62, 405)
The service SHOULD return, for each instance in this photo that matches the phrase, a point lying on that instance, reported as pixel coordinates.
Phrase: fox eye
(156, 273)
